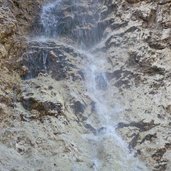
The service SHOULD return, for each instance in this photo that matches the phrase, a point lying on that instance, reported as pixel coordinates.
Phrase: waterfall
(49, 19)
(80, 23)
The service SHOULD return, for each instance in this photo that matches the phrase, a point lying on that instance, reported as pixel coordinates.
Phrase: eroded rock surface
(44, 106)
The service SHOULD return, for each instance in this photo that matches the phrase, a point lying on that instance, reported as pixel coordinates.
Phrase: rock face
(49, 118)
(140, 54)
(12, 41)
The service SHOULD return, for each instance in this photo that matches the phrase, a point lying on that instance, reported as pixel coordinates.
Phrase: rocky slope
(15, 20)
(44, 105)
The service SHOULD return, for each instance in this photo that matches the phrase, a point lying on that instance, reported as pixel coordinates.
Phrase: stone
(50, 110)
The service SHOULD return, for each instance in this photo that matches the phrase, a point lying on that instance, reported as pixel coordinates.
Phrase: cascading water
(82, 27)
(49, 19)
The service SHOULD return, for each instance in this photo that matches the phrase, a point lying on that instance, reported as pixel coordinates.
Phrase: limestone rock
(47, 114)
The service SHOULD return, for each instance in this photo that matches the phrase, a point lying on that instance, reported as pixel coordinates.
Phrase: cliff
(49, 118)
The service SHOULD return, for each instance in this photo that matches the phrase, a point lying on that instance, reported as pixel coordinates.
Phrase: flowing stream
(110, 152)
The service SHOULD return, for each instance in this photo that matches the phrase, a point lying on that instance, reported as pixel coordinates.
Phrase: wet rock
(78, 107)
(75, 22)
(123, 78)
(91, 128)
(141, 125)
(122, 83)
(134, 141)
(50, 59)
(101, 82)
